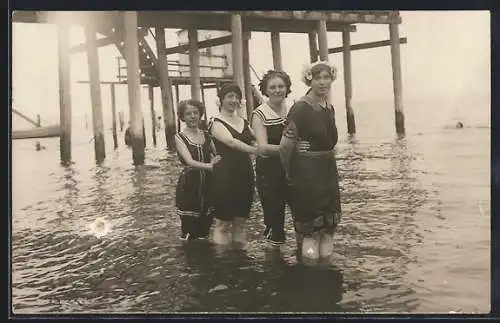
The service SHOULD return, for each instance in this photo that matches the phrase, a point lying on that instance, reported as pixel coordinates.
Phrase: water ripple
(382, 262)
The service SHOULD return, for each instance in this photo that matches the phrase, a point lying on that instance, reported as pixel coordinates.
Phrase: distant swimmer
(459, 125)
(39, 146)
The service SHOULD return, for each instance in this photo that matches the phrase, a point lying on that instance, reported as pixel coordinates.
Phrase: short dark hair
(181, 108)
(228, 88)
(272, 74)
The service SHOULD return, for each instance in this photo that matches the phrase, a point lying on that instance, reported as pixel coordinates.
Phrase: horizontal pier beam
(209, 21)
(290, 26)
(214, 42)
(185, 80)
(100, 20)
(176, 80)
(101, 42)
(102, 82)
(205, 20)
(373, 17)
(284, 21)
(368, 45)
(201, 44)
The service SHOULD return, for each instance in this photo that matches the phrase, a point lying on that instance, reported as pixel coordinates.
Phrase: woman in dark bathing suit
(313, 174)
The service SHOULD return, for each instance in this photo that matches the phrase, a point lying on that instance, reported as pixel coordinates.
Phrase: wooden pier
(127, 31)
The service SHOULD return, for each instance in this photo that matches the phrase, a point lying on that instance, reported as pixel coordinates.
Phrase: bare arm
(213, 150)
(287, 146)
(251, 130)
(261, 136)
(186, 155)
(223, 135)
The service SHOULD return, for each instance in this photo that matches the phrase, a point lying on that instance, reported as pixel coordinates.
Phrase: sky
(447, 56)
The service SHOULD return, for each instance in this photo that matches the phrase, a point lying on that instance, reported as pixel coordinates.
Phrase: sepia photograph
(250, 162)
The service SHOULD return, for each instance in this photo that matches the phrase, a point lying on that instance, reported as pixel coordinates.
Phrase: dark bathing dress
(191, 200)
(313, 174)
(272, 184)
(233, 182)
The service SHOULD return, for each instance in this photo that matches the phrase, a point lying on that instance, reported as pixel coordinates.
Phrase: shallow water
(415, 233)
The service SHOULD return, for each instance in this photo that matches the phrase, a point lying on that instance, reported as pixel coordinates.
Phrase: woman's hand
(261, 151)
(303, 146)
(215, 160)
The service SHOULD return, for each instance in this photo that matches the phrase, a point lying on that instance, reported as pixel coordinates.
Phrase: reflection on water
(402, 235)
(267, 284)
(381, 197)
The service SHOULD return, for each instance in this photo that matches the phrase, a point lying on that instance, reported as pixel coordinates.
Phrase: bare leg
(222, 234)
(326, 244)
(310, 248)
(298, 240)
(239, 235)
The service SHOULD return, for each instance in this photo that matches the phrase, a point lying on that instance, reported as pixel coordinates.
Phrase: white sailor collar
(268, 115)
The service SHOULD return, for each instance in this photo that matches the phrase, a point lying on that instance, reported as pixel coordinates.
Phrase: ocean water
(414, 237)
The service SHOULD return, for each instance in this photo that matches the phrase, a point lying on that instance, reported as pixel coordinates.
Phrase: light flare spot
(100, 227)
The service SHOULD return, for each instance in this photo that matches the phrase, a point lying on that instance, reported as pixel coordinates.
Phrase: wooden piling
(396, 77)
(203, 95)
(194, 64)
(322, 40)
(276, 50)
(64, 93)
(313, 46)
(166, 90)
(122, 120)
(177, 105)
(367, 45)
(143, 131)
(204, 108)
(95, 93)
(134, 86)
(153, 113)
(38, 120)
(346, 43)
(323, 46)
(237, 53)
(113, 112)
(246, 74)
